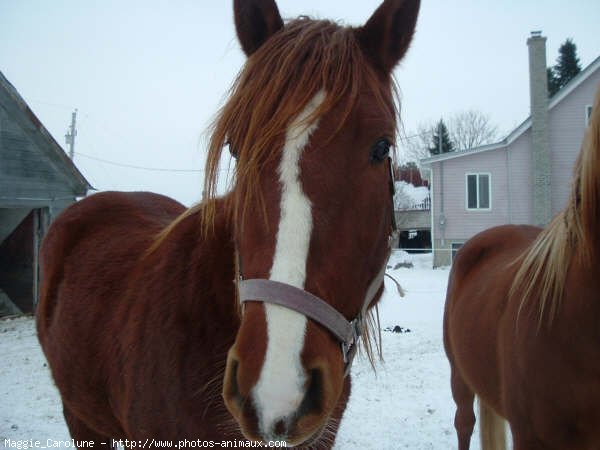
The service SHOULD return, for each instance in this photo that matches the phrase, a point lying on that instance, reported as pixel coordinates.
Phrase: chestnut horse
(522, 324)
(139, 315)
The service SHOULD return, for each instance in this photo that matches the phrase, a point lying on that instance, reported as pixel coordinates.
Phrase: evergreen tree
(565, 69)
(553, 85)
(446, 144)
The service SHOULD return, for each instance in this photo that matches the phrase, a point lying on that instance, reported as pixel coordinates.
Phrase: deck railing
(425, 205)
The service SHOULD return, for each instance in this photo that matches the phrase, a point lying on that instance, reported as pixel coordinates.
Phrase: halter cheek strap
(347, 332)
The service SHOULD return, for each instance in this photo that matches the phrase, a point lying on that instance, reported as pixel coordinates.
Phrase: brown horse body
(119, 397)
(139, 316)
(97, 251)
(522, 324)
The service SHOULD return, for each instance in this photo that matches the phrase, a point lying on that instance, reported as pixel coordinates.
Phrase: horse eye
(380, 150)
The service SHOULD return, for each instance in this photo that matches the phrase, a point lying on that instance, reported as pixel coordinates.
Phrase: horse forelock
(573, 233)
(275, 85)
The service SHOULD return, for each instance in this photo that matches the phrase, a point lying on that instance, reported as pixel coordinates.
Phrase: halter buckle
(349, 348)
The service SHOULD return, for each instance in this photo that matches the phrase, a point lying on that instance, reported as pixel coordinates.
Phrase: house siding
(460, 222)
(511, 194)
(520, 196)
(566, 130)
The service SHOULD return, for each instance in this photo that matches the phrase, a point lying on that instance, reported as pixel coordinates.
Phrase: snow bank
(406, 404)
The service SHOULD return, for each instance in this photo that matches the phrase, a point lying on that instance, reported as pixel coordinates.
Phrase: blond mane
(571, 234)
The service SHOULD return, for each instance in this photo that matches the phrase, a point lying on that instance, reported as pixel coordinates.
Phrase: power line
(45, 103)
(133, 166)
(424, 133)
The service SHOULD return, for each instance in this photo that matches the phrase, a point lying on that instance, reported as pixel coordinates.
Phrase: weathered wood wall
(37, 181)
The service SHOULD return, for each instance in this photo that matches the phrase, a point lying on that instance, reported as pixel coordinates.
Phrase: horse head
(311, 121)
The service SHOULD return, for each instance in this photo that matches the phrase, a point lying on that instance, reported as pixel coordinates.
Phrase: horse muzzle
(281, 409)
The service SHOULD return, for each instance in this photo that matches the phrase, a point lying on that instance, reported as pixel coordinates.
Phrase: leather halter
(347, 332)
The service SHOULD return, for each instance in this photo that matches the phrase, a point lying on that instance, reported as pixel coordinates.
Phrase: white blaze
(280, 388)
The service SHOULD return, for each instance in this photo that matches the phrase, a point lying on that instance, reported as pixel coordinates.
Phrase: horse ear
(255, 22)
(387, 34)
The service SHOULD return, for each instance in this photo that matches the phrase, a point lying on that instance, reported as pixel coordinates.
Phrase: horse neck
(207, 253)
(216, 256)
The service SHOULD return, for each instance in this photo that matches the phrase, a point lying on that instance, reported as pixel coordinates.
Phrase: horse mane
(194, 210)
(165, 232)
(572, 233)
(273, 87)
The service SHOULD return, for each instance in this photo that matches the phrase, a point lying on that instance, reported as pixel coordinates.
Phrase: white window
(588, 114)
(479, 191)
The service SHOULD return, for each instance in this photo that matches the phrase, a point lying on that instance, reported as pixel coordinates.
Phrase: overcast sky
(147, 76)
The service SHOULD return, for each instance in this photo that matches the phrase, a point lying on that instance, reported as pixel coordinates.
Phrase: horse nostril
(280, 428)
(232, 390)
(313, 399)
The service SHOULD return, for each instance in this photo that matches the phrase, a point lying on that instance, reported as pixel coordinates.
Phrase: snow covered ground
(405, 404)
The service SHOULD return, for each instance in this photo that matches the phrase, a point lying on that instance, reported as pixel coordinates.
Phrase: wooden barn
(37, 181)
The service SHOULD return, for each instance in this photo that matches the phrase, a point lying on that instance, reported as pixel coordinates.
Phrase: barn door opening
(21, 232)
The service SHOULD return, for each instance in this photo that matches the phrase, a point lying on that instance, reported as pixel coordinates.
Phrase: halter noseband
(347, 332)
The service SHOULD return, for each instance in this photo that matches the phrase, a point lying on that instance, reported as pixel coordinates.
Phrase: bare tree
(415, 145)
(469, 129)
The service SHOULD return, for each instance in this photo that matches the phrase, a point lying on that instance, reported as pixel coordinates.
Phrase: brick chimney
(540, 156)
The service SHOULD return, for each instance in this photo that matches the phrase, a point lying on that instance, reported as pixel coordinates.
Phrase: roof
(526, 124)
(19, 111)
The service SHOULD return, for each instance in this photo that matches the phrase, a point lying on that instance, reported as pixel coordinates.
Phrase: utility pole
(440, 137)
(442, 216)
(70, 136)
